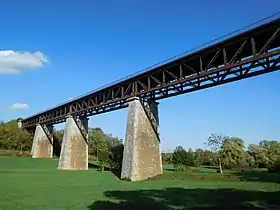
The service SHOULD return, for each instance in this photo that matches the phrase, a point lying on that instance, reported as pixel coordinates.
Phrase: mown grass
(27, 183)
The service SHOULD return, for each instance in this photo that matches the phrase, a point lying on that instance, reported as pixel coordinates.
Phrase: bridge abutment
(42, 142)
(142, 155)
(74, 149)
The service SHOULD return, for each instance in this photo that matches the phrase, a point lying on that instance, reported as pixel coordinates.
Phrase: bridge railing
(200, 47)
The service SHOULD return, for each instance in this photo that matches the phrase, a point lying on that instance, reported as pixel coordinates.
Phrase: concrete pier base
(142, 156)
(42, 142)
(74, 149)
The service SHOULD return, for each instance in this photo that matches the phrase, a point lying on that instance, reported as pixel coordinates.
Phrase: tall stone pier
(74, 149)
(42, 142)
(142, 156)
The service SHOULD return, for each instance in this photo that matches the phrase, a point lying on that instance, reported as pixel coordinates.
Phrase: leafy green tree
(13, 138)
(215, 142)
(182, 159)
(199, 158)
(166, 157)
(259, 155)
(271, 150)
(101, 145)
(178, 158)
(232, 152)
(116, 156)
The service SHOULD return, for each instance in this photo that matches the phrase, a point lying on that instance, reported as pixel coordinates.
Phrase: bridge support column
(142, 155)
(74, 149)
(42, 142)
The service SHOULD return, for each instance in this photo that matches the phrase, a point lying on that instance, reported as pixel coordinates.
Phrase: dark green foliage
(103, 159)
(166, 158)
(13, 138)
(116, 156)
(107, 149)
(182, 159)
(227, 152)
(275, 167)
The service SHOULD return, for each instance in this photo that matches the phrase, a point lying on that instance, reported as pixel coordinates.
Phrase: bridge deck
(247, 54)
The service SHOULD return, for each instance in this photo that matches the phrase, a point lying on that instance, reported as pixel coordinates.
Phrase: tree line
(225, 152)
(102, 147)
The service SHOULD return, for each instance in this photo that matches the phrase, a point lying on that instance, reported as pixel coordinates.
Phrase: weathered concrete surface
(74, 149)
(42, 143)
(19, 124)
(142, 156)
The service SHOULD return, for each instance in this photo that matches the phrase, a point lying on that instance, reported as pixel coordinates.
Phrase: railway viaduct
(243, 54)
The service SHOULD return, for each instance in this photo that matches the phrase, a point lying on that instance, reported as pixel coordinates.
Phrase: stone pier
(142, 156)
(74, 149)
(42, 142)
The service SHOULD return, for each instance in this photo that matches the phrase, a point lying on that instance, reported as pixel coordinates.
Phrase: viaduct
(244, 54)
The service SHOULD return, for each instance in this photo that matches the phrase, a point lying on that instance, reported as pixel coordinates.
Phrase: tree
(199, 157)
(233, 153)
(178, 158)
(166, 157)
(13, 138)
(101, 145)
(259, 155)
(271, 150)
(116, 156)
(182, 159)
(215, 142)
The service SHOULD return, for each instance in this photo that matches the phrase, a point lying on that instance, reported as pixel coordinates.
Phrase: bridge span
(246, 54)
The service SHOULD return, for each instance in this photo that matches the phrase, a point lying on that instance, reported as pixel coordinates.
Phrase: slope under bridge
(244, 54)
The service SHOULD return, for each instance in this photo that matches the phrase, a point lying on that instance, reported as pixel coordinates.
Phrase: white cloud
(70, 98)
(19, 106)
(14, 62)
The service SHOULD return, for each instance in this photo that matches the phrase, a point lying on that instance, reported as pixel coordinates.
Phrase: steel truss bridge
(247, 54)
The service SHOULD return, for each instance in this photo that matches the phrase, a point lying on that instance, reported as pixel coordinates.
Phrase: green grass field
(27, 183)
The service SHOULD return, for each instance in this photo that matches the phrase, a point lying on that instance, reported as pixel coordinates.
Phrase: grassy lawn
(27, 183)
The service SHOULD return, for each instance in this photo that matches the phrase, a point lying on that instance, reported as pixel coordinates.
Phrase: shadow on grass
(116, 172)
(169, 169)
(181, 198)
(93, 165)
(211, 167)
(258, 176)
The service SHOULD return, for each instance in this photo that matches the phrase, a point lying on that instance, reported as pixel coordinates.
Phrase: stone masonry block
(42, 143)
(74, 149)
(142, 156)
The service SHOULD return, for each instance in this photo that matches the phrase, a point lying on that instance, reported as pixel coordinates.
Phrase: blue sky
(92, 43)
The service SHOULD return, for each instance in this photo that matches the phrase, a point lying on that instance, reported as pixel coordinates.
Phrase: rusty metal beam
(251, 53)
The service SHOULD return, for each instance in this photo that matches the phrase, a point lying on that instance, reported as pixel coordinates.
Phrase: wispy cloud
(14, 62)
(19, 106)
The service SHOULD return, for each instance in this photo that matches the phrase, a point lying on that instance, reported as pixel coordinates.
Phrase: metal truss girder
(48, 131)
(245, 55)
(81, 127)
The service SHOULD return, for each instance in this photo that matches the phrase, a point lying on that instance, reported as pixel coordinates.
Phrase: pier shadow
(254, 176)
(195, 199)
(116, 172)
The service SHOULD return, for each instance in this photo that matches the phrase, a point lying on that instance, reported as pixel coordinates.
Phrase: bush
(166, 158)
(103, 159)
(275, 168)
(116, 156)
(182, 159)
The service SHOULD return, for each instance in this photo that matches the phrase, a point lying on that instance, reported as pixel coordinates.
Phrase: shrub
(182, 159)
(116, 156)
(103, 159)
(275, 167)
